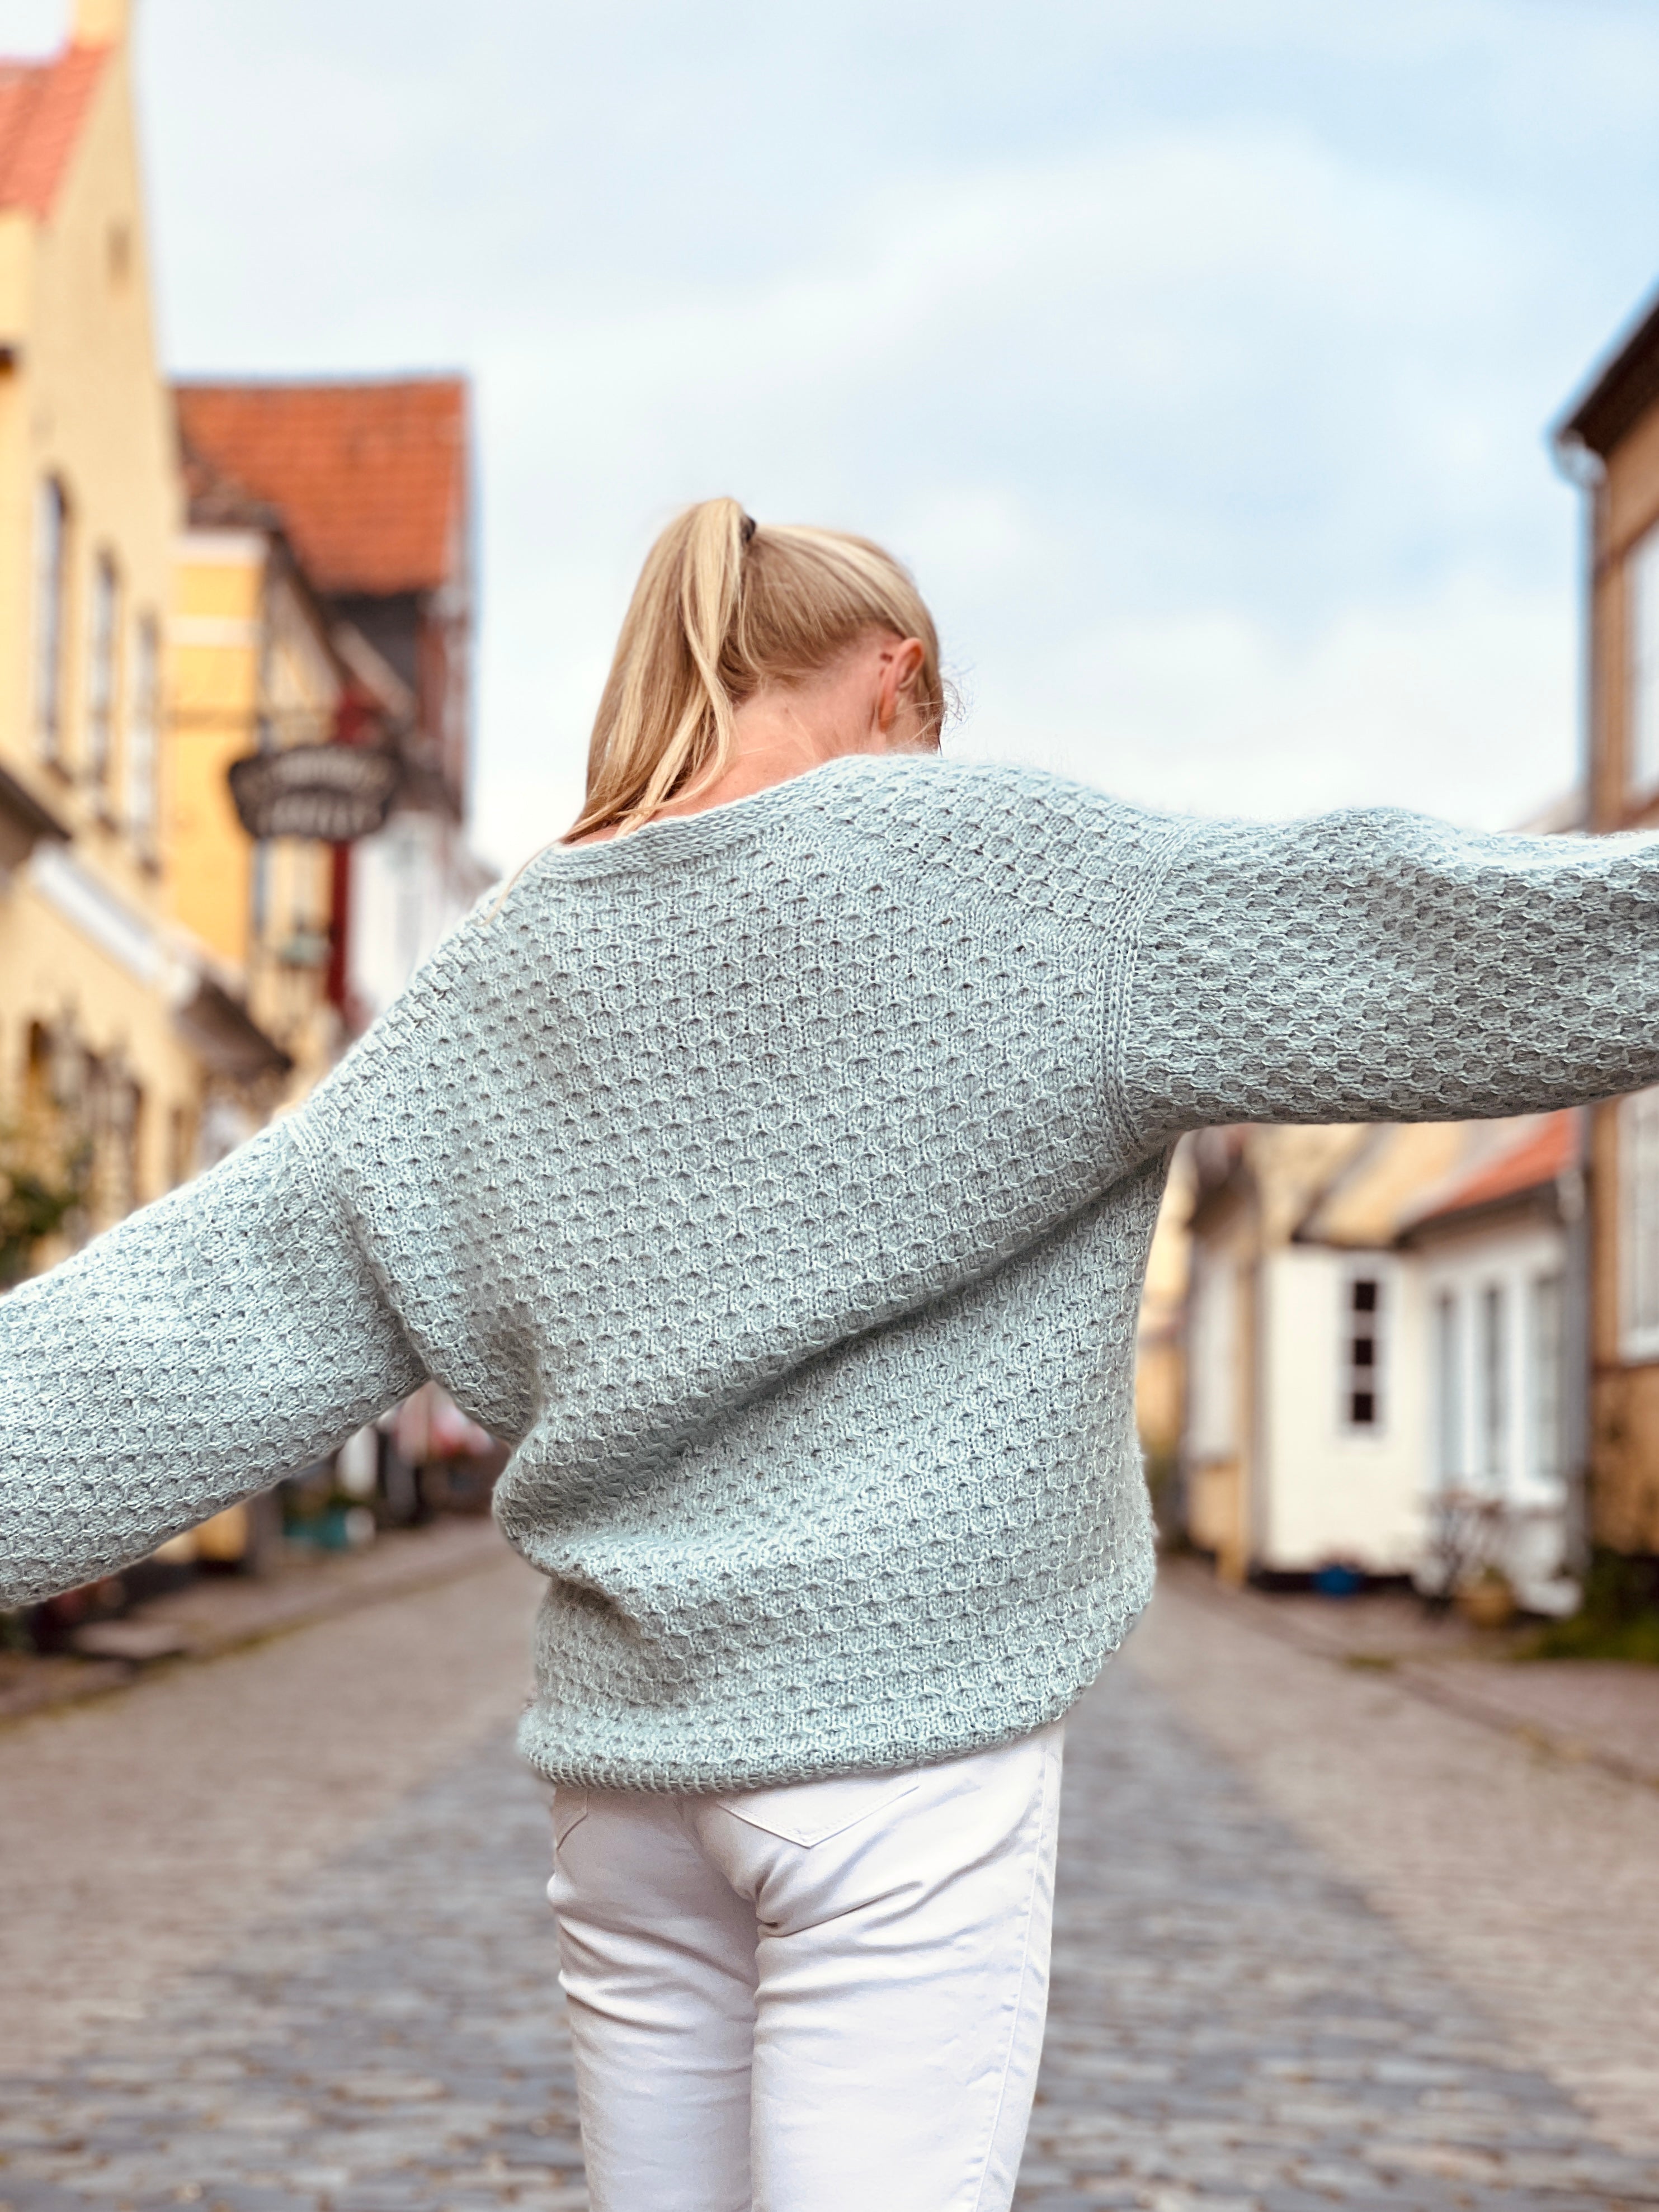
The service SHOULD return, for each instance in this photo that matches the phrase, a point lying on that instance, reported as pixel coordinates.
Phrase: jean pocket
(808, 1813)
(569, 1806)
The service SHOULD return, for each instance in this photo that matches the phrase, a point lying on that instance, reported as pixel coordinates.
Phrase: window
(1448, 1390)
(1494, 1384)
(50, 587)
(1638, 1224)
(1547, 1331)
(100, 670)
(1642, 574)
(1362, 1354)
(144, 728)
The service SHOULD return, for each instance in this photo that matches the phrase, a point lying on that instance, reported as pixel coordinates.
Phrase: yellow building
(254, 668)
(117, 1032)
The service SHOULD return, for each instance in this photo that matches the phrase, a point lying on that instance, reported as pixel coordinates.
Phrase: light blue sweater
(779, 1181)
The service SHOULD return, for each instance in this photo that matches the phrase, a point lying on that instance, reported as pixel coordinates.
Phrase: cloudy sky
(1197, 353)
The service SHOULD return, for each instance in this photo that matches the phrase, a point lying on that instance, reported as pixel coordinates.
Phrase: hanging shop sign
(333, 793)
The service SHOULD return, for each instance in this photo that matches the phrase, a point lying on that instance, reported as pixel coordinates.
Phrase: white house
(1490, 1255)
(1376, 1347)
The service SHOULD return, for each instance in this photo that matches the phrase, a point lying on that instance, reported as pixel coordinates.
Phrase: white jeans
(811, 1999)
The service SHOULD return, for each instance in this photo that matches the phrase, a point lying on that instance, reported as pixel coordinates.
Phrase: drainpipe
(1575, 1190)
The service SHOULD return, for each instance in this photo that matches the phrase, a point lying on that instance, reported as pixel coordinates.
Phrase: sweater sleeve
(1379, 966)
(222, 1338)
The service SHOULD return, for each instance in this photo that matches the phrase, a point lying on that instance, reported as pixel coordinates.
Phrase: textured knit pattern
(779, 1181)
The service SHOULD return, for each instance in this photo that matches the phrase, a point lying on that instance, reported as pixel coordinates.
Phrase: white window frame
(143, 732)
(51, 584)
(1494, 1379)
(103, 667)
(1638, 1225)
(1449, 1320)
(1546, 1379)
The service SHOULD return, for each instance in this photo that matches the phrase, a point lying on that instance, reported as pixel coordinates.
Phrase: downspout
(1573, 1198)
(1575, 1187)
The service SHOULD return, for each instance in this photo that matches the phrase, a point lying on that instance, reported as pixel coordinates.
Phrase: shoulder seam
(1119, 978)
(306, 1152)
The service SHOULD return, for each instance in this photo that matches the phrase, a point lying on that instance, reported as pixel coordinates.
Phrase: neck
(777, 737)
(857, 704)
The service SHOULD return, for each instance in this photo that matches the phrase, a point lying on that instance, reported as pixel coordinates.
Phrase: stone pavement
(1232, 2027)
(223, 1612)
(1529, 1877)
(141, 1833)
(1581, 1708)
(1236, 2022)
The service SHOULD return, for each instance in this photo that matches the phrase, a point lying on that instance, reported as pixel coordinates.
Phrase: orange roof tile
(1542, 1154)
(369, 478)
(42, 107)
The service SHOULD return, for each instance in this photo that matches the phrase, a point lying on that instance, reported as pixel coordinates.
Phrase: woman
(774, 1163)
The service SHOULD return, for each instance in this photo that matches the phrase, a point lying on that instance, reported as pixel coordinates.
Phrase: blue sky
(1197, 353)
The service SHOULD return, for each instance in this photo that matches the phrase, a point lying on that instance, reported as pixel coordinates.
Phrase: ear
(900, 665)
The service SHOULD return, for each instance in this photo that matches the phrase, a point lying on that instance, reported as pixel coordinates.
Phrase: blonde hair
(721, 608)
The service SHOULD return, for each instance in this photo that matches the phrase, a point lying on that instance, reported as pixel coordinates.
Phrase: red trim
(339, 926)
(1533, 1163)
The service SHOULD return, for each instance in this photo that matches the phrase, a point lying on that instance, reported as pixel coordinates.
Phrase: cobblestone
(221, 1613)
(1235, 2026)
(1529, 1879)
(141, 1833)
(1599, 1710)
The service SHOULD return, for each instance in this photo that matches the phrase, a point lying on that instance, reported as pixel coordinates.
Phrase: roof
(1543, 1152)
(1621, 391)
(1358, 1200)
(217, 501)
(42, 107)
(369, 477)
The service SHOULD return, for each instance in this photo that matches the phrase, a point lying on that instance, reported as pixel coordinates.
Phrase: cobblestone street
(346, 1999)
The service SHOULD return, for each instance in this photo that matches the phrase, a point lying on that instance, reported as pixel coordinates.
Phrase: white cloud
(1164, 431)
(1461, 703)
(1196, 351)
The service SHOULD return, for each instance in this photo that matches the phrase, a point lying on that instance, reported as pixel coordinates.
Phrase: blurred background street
(1320, 1942)
(1267, 395)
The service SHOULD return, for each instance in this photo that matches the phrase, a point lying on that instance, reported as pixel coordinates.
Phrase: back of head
(723, 609)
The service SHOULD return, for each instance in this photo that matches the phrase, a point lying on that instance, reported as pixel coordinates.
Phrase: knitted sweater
(779, 1181)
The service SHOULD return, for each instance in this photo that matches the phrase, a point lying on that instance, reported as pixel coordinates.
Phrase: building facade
(370, 485)
(1609, 444)
(1493, 1256)
(116, 1031)
(1305, 1416)
(254, 669)
(1378, 1353)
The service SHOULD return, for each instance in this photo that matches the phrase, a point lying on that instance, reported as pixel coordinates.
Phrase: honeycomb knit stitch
(779, 1181)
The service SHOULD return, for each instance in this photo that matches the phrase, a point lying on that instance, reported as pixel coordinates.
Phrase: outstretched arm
(1377, 966)
(209, 1344)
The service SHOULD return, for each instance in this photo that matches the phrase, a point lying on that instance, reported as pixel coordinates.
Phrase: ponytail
(721, 609)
